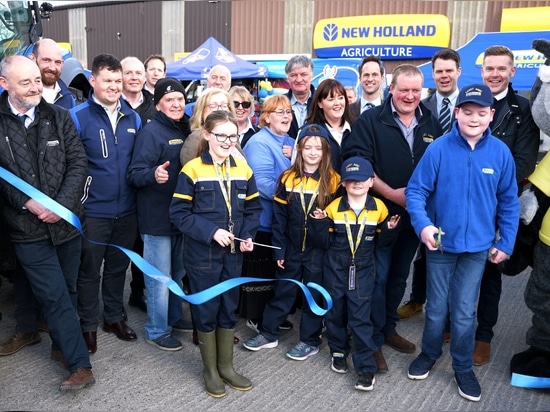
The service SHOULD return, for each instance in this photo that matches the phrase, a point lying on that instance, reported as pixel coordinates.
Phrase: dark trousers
(303, 267)
(26, 305)
(418, 290)
(350, 308)
(138, 283)
(218, 312)
(393, 265)
(52, 272)
(487, 306)
(121, 232)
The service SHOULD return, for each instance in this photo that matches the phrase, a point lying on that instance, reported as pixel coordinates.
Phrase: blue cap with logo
(475, 93)
(356, 168)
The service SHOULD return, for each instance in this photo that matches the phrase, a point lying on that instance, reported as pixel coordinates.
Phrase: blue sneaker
(165, 342)
(260, 342)
(302, 351)
(468, 386)
(420, 367)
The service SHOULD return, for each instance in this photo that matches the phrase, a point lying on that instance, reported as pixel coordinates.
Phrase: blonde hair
(197, 119)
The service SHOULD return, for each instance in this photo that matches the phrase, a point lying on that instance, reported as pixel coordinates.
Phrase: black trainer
(365, 382)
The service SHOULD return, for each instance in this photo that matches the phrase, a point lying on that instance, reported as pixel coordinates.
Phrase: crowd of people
(346, 191)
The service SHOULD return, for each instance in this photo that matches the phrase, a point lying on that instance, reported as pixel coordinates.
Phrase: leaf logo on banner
(330, 32)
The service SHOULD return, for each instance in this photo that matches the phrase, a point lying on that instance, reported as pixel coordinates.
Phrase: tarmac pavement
(138, 376)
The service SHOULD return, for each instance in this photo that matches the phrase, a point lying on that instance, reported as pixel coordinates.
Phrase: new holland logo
(330, 32)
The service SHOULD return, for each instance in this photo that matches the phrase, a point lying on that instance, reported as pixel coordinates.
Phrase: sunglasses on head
(245, 105)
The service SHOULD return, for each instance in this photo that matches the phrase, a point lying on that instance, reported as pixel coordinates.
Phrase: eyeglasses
(216, 106)
(220, 137)
(245, 105)
(282, 112)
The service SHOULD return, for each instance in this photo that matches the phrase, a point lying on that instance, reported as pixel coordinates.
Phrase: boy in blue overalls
(348, 229)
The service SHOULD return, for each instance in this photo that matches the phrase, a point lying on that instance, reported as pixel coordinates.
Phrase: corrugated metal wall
(246, 26)
(204, 19)
(57, 28)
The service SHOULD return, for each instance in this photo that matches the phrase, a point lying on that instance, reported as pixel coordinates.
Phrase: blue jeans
(453, 281)
(52, 271)
(163, 307)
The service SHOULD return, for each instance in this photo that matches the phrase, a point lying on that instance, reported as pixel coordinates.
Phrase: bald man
(219, 77)
(48, 56)
(42, 137)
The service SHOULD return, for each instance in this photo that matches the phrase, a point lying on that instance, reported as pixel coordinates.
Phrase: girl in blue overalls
(308, 184)
(216, 201)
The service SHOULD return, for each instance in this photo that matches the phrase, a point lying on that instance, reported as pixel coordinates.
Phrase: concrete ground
(138, 376)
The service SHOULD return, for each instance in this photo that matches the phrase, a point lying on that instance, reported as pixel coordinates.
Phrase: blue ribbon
(526, 381)
(152, 271)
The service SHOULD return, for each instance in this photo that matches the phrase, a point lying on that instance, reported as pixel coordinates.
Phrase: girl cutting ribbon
(215, 201)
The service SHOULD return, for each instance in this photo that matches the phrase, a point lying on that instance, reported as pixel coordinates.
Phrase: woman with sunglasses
(268, 153)
(209, 101)
(244, 104)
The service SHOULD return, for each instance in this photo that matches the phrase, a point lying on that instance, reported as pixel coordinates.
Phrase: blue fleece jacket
(469, 193)
(264, 153)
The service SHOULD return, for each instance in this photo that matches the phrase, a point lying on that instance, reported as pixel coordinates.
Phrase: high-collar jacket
(61, 170)
(107, 195)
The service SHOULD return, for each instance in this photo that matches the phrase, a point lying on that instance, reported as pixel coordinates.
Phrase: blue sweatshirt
(469, 193)
(264, 153)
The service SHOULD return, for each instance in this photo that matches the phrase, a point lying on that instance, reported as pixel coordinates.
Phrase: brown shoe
(446, 337)
(482, 353)
(56, 355)
(18, 341)
(79, 378)
(399, 343)
(121, 330)
(91, 341)
(381, 364)
(409, 309)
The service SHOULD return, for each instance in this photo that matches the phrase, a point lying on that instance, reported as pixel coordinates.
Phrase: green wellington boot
(224, 338)
(212, 381)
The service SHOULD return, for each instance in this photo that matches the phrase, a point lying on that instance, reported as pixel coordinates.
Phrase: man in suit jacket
(371, 76)
(445, 72)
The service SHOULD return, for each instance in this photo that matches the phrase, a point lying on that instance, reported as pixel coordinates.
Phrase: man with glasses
(371, 76)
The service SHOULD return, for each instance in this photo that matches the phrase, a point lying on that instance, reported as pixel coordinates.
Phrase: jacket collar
(370, 203)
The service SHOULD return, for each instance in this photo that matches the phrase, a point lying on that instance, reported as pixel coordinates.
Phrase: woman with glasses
(244, 104)
(268, 153)
(209, 101)
(330, 108)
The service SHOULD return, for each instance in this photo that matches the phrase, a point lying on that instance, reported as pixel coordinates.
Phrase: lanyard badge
(353, 247)
(226, 192)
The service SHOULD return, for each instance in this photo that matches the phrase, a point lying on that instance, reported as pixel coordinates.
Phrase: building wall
(244, 26)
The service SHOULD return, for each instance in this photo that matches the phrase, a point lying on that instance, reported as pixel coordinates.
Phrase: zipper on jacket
(9, 147)
(104, 149)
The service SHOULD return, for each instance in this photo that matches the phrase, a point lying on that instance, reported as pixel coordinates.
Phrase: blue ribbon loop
(152, 271)
(532, 382)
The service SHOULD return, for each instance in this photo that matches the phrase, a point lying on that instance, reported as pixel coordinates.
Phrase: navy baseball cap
(356, 168)
(313, 130)
(475, 93)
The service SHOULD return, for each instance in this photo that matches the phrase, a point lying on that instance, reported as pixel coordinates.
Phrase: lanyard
(309, 207)
(353, 247)
(226, 192)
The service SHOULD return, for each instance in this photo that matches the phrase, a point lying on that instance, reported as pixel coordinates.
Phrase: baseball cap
(475, 93)
(165, 86)
(312, 130)
(356, 168)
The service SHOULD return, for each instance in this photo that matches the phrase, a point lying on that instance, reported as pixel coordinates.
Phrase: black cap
(356, 168)
(167, 85)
